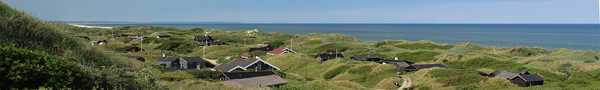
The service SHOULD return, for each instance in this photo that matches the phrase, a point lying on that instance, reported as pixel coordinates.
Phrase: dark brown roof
(531, 77)
(194, 59)
(256, 82)
(235, 63)
(329, 55)
(241, 63)
(525, 75)
(261, 47)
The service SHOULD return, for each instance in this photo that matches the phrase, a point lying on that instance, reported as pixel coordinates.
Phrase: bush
(206, 74)
(55, 59)
(176, 76)
(258, 53)
(180, 46)
(276, 44)
(33, 69)
(197, 30)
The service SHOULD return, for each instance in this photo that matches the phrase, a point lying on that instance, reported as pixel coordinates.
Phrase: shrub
(197, 30)
(206, 74)
(62, 57)
(33, 69)
(277, 43)
(258, 53)
(176, 76)
(180, 46)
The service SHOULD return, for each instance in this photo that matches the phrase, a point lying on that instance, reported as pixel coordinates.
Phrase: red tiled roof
(277, 51)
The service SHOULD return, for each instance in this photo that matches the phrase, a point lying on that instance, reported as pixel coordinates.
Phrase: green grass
(336, 71)
(456, 77)
(62, 54)
(419, 56)
(485, 62)
(527, 51)
(96, 69)
(427, 46)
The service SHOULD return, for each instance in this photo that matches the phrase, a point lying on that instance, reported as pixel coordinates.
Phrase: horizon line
(225, 22)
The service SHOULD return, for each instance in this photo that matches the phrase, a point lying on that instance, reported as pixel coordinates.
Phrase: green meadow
(42, 55)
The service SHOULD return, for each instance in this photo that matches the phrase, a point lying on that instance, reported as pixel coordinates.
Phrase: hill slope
(36, 54)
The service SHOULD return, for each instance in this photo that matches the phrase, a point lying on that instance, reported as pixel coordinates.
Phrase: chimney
(257, 57)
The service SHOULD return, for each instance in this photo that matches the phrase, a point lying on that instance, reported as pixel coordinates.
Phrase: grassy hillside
(36, 54)
(45, 55)
(561, 68)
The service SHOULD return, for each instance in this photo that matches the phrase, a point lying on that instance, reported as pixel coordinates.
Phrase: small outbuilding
(523, 78)
(328, 55)
(261, 47)
(207, 40)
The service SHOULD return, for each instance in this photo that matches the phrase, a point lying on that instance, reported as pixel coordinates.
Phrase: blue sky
(316, 11)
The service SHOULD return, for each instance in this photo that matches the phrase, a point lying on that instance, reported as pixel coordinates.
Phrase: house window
(163, 66)
(194, 65)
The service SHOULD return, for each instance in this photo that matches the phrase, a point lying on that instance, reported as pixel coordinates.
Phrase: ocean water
(572, 36)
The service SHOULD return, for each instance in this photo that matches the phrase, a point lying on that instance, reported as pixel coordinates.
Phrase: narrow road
(406, 84)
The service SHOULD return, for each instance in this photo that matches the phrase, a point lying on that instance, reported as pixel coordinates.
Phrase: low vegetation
(38, 54)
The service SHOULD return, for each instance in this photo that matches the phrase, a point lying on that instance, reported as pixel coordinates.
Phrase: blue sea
(572, 36)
